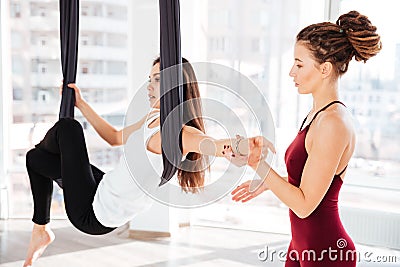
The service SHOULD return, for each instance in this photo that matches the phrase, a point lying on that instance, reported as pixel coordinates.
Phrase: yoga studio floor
(190, 246)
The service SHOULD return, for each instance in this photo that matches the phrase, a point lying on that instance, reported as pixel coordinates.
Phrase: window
(84, 10)
(40, 10)
(264, 19)
(98, 11)
(98, 39)
(92, 67)
(17, 40)
(43, 96)
(84, 40)
(116, 67)
(219, 44)
(17, 64)
(15, 10)
(17, 93)
(42, 67)
(93, 39)
(43, 40)
(220, 17)
(92, 10)
(85, 69)
(116, 12)
(257, 45)
(116, 40)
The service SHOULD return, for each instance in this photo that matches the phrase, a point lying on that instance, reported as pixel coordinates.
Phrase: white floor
(190, 246)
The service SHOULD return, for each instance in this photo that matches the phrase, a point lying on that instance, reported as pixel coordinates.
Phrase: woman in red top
(316, 160)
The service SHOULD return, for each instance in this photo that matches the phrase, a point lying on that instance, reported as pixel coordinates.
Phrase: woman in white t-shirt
(97, 203)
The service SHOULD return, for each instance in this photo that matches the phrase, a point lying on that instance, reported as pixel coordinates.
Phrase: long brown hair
(191, 181)
(353, 35)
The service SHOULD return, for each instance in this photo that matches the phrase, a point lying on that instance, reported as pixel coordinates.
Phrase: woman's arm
(102, 127)
(323, 158)
(106, 131)
(193, 140)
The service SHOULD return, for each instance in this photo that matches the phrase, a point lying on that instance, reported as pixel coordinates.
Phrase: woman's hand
(237, 159)
(79, 101)
(259, 147)
(248, 190)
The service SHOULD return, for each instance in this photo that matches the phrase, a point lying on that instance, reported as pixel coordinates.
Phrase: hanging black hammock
(171, 89)
(69, 31)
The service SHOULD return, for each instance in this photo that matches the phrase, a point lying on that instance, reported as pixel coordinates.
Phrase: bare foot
(41, 237)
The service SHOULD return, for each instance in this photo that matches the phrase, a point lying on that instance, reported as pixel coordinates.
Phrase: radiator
(372, 227)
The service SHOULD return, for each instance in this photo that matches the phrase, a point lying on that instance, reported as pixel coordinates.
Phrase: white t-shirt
(119, 198)
(124, 191)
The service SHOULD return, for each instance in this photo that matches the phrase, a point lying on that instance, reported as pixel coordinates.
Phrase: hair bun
(361, 35)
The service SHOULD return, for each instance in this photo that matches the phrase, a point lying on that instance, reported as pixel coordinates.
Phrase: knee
(29, 157)
(69, 124)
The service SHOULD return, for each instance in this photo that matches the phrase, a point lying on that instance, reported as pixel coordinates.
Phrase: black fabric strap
(324, 108)
(69, 31)
(301, 127)
(171, 90)
(340, 174)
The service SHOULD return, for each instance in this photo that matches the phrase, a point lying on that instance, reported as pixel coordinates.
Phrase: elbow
(117, 140)
(114, 144)
(304, 213)
(304, 207)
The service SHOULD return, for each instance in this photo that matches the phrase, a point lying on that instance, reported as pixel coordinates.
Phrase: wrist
(255, 164)
(237, 146)
(264, 184)
(263, 170)
(259, 166)
(80, 104)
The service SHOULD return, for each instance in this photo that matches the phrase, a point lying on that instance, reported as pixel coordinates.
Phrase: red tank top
(322, 228)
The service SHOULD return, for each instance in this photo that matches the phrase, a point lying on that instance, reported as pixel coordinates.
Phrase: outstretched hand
(248, 190)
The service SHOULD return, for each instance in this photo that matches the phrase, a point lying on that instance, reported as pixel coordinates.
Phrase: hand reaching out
(248, 190)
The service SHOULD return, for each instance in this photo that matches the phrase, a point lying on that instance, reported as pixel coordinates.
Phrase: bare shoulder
(335, 122)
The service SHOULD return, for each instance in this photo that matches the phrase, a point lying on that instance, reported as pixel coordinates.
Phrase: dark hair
(353, 35)
(191, 181)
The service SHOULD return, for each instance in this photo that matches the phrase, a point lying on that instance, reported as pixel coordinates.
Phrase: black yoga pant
(62, 156)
